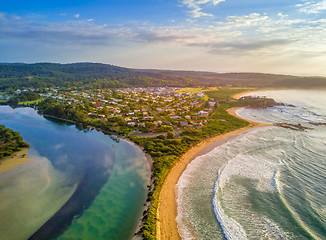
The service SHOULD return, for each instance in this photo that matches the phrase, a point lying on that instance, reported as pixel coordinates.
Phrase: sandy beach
(14, 160)
(167, 211)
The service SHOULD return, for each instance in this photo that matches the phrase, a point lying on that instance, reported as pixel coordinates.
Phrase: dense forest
(10, 142)
(98, 75)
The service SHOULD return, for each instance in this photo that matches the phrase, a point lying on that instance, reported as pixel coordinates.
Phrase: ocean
(267, 183)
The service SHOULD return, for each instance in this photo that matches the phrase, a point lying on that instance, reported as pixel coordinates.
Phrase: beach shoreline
(14, 160)
(167, 209)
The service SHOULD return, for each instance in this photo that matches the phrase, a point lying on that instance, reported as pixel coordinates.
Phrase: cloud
(77, 15)
(312, 7)
(69, 33)
(160, 36)
(6, 18)
(245, 46)
(195, 7)
(250, 45)
(245, 22)
(58, 146)
(253, 34)
(82, 33)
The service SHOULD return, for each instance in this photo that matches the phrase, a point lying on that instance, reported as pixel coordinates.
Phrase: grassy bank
(167, 152)
(10, 142)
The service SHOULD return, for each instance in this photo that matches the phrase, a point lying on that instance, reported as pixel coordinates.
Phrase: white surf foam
(182, 214)
(274, 231)
(232, 230)
(249, 167)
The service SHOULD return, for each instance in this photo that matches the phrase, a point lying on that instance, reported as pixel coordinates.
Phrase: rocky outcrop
(298, 127)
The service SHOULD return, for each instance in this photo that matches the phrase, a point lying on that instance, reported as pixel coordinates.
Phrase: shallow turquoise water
(86, 179)
(113, 212)
(268, 183)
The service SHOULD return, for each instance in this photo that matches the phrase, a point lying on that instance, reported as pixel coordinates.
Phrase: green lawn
(31, 102)
(197, 90)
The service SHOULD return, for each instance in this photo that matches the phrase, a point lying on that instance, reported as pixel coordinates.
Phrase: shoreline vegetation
(165, 151)
(167, 210)
(13, 149)
(155, 225)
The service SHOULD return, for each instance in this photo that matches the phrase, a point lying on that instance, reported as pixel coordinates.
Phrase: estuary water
(78, 184)
(268, 183)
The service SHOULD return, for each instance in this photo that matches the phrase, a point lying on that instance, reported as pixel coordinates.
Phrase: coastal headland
(167, 210)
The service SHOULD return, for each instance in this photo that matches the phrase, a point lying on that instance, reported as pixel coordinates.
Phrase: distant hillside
(245, 79)
(104, 75)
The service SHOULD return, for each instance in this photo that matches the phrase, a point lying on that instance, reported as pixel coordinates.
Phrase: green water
(78, 184)
(112, 213)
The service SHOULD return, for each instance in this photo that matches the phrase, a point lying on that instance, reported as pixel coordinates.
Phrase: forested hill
(104, 75)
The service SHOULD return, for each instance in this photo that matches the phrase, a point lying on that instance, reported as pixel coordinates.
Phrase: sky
(279, 36)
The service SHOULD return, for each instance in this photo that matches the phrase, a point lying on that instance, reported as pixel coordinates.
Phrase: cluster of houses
(140, 107)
